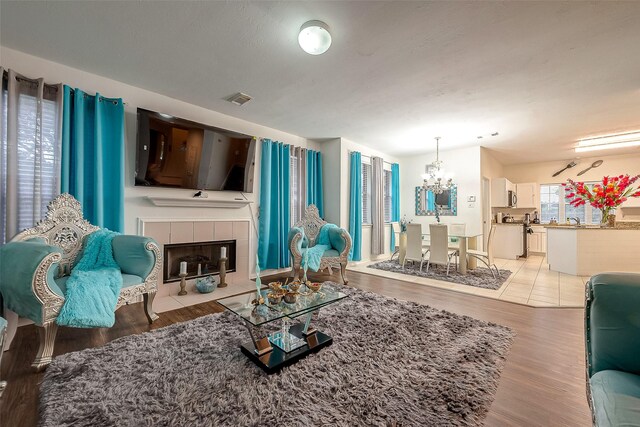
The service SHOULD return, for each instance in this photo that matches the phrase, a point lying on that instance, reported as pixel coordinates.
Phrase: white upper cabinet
(500, 190)
(527, 195)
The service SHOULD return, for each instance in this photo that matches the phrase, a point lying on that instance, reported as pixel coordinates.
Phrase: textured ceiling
(541, 74)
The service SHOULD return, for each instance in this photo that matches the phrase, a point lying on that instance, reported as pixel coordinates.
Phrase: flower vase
(608, 218)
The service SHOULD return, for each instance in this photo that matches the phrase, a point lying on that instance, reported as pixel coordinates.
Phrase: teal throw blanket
(312, 256)
(93, 288)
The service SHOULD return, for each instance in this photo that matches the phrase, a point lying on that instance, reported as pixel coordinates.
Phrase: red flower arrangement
(608, 195)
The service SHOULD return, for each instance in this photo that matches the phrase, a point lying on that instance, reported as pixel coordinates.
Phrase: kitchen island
(584, 251)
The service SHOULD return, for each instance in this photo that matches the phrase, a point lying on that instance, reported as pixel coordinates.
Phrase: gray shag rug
(391, 363)
(479, 277)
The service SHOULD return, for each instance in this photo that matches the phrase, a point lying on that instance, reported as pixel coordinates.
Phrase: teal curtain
(431, 201)
(314, 180)
(274, 221)
(395, 200)
(92, 160)
(355, 206)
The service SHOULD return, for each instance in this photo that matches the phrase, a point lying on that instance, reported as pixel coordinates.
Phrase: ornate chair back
(311, 223)
(64, 227)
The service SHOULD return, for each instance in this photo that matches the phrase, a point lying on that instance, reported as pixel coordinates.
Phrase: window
(549, 203)
(387, 196)
(573, 211)
(551, 208)
(38, 148)
(366, 193)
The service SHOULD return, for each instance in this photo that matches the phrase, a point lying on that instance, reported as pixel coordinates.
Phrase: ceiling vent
(239, 98)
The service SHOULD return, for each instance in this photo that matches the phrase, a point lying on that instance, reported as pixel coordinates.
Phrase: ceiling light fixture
(314, 37)
(607, 142)
(434, 178)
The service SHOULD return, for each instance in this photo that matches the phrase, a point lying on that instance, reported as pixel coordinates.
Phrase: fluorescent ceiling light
(314, 37)
(608, 146)
(607, 142)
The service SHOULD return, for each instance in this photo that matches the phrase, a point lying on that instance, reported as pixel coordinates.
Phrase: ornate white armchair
(304, 234)
(37, 262)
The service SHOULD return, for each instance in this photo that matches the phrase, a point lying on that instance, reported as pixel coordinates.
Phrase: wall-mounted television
(179, 153)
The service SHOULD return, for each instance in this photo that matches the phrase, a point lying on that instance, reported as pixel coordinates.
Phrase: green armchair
(37, 262)
(3, 337)
(303, 235)
(612, 332)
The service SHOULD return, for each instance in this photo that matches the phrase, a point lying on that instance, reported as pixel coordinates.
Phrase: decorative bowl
(274, 299)
(314, 286)
(205, 285)
(275, 286)
(294, 286)
(291, 297)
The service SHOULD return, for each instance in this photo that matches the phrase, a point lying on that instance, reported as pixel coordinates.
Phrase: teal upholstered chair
(3, 336)
(612, 328)
(35, 266)
(303, 235)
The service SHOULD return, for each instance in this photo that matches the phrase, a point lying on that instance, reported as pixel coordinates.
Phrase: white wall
(331, 162)
(136, 206)
(542, 173)
(464, 163)
(490, 167)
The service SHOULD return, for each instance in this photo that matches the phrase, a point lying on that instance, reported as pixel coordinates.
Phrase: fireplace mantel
(197, 202)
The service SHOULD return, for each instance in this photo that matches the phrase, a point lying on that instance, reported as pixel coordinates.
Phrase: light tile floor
(173, 302)
(530, 283)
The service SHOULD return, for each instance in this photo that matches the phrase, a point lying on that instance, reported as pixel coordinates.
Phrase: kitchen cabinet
(508, 241)
(500, 188)
(527, 195)
(537, 241)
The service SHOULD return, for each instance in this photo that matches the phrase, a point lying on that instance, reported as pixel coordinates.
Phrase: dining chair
(395, 226)
(456, 230)
(439, 251)
(486, 257)
(415, 251)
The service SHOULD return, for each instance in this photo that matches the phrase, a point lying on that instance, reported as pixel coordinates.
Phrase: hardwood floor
(543, 382)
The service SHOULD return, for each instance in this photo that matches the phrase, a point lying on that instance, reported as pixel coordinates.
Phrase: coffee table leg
(308, 330)
(262, 345)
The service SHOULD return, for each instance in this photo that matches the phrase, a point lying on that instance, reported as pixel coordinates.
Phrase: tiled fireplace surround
(170, 231)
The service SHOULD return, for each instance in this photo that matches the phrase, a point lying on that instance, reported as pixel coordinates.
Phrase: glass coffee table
(295, 338)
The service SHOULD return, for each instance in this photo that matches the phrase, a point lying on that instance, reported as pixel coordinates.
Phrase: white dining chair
(415, 251)
(439, 252)
(395, 226)
(486, 257)
(456, 230)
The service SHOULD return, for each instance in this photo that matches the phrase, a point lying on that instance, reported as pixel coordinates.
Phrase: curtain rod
(369, 157)
(49, 86)
(102, 98)
(5, 75)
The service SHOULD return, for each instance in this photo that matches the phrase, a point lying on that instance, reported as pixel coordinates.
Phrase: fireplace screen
(202, 258)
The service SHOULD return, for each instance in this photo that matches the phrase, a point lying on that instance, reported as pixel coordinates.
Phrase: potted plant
(606, 195)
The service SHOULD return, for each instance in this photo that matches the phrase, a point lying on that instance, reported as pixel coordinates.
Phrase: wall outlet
(472, 205)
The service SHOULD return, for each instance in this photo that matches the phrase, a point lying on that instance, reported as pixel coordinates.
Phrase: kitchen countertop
(619, 226)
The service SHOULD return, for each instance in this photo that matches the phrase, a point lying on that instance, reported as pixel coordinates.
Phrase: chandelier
(435, 179)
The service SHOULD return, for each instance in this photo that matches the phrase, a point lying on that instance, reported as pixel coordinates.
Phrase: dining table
(466, 240)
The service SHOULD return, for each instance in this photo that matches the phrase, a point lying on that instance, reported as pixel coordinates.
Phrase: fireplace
(202, 258)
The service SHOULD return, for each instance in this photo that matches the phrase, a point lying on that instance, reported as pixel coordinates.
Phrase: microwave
(512, 199)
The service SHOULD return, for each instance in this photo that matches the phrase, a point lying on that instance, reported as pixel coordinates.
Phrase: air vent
(239, 98)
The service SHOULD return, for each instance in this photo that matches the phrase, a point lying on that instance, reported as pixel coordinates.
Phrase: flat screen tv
(179, 153)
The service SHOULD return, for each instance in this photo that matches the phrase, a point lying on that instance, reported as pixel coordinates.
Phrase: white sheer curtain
(377, 206)
(298, 183)
(31, 130)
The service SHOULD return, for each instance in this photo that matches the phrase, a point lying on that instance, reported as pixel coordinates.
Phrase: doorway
(486, 211)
